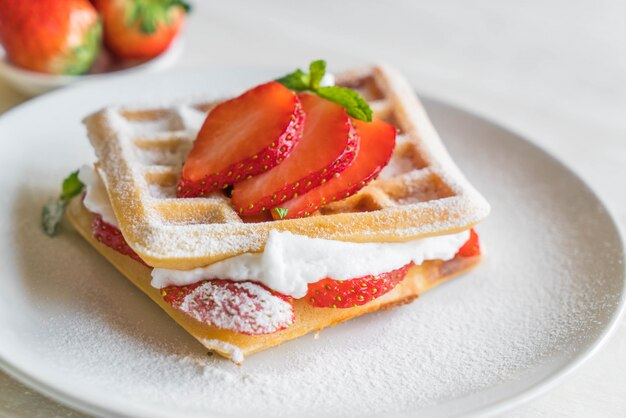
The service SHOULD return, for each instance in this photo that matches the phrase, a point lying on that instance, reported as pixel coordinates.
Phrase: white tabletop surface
(554, 71)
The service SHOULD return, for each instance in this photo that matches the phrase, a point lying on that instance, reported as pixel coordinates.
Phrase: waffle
(141, 152)
(307, 319)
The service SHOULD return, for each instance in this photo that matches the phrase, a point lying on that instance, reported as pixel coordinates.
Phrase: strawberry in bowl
(50, 36)
(141, 29)
(48, 44)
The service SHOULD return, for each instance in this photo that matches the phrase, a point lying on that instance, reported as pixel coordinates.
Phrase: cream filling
(290, 262)
(96, 196)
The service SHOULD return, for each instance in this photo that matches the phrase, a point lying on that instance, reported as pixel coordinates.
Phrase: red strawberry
(140, 29)
(243, 307)
(50, 36)
(242, 137)
(329, 144)
(377, 141)
(329, 293)
(472, 247)
(112, 237)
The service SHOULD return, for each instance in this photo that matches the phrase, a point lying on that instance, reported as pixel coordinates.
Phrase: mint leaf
(352, 101)
(349, 99)
(317, 69)
(301, 81)
(72, 186)
(51, 216)
(52, 212)
(281, 212)
(297, 81)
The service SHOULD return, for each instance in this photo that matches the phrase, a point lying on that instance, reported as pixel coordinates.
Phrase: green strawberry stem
(148, 14)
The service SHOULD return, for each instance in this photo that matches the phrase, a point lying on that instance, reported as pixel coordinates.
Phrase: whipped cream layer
(290, 262)
(96, 196)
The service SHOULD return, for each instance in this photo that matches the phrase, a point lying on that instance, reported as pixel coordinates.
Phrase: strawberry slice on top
(329, 144)
(242, 137)
(377, 142)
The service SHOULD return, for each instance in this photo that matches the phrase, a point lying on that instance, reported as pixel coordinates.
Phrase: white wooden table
(555, 71)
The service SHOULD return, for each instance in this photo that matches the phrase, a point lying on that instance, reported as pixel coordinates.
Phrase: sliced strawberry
(243, 307)
(112, 237)
(241, 138)
(377, 141)
(472, 247)
(329, 144)
(329, 293)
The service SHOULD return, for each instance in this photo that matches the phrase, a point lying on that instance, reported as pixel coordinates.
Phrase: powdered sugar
(241, 307)
(396, 167)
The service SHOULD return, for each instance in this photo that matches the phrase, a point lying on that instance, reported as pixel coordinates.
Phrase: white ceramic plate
(548, 293)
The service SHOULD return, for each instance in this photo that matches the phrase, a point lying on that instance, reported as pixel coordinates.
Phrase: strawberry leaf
(148, 15)
(81, 57)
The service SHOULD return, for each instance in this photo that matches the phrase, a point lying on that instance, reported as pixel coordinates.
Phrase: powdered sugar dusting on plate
(551, 279)
(541, 290)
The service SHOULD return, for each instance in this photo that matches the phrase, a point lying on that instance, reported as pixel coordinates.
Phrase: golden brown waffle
(233, 345)
(141, 152)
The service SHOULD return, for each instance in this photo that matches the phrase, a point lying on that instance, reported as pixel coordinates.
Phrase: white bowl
(32, 83)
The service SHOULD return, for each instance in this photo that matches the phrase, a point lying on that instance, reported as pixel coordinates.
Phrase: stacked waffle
(206, 259)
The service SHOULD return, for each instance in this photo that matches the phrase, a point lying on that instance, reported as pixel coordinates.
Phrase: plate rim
(558, 377)
(499, 406)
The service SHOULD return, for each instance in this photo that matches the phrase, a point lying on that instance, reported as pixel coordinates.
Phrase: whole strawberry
(140, 29)
(50, 36)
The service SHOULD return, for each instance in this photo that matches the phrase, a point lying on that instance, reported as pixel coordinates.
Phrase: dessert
(250, 239)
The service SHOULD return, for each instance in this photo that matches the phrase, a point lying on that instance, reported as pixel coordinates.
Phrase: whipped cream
(290, 262)
(96, 197)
